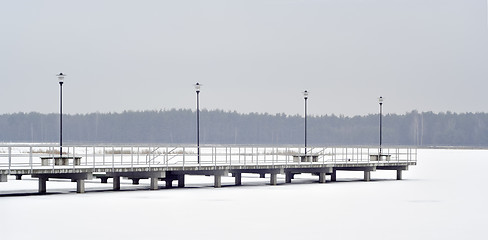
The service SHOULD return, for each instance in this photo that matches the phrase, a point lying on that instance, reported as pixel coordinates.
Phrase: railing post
(369, 155)
(9, 159)
(257, 156)
(287, 157)
(94, 156)
(132, 157)
(272, 162)
(273, 154)
(416, 154)
(30, 158)
(245, 156)
(183, 157)
(73, 157)
(138, 153)
(113, 163)
(310, 150)
(230, 156)
(198, 156)
(167, 157)
(409, 154)
(52, 156)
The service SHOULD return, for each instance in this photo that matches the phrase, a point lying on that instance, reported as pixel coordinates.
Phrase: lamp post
(61, 81)
(197, 88)
(380, 100)
(305, 96)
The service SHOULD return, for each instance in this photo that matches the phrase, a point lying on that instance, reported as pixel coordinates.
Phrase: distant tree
(178, 126)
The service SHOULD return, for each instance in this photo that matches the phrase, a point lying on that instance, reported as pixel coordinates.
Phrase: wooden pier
(173, 163)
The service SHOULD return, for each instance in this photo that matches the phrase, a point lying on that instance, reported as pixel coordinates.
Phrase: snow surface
(443, 197)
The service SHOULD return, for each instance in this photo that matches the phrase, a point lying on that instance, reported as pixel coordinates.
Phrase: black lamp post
(197, 88)
(61, 81)
(305, 96)
(380, 100)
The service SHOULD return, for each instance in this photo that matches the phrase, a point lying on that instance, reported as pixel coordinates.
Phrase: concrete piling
(238, 178)
(288, 177)
(169, 183)
(322, 177)
(273, 179)
(181, 181)
(116, 183)
(399, 175)
(80, 186)
(333, 176)
(154, 183)
(217, 181)
(104, 179)
(367, 176)
(42, 185)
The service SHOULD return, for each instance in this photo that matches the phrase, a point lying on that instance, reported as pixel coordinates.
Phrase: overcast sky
(249, 55)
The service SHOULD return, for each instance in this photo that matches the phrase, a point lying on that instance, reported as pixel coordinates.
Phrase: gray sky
(250, 55)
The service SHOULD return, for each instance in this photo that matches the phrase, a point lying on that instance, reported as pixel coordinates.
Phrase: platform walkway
(170, 163)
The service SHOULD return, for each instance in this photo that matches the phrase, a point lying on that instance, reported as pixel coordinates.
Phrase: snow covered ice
(443, 197)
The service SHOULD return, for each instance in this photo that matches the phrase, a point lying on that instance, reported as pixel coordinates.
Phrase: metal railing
(29, 156)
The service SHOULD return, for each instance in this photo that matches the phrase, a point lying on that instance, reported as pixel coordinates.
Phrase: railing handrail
(13, 156)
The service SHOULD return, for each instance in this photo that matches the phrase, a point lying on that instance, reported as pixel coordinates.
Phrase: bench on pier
(380, 157)
(305, 158)
(61, 160)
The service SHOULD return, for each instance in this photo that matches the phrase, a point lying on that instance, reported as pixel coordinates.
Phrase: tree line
(178, 126)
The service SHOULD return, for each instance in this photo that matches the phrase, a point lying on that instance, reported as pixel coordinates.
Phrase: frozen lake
(443, 197)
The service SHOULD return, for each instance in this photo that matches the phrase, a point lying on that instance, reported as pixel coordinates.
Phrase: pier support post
(135, 181)
(169, 183)
(333, 176)
(217, 181)
(181, 181)
(322, 177)
(238, 178)
(262, 175)
(80, 186)
(42, 185)
(399, 174)
(3, 178)
(288, 177)
(367, 176)
(18, 177)
(104, 179)
(154, 183)
(116, 183)
(273, 179)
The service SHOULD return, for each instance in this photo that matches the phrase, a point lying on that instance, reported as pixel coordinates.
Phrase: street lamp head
(380, 100)
(61, 77)
(305, 94)
(197, 87)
